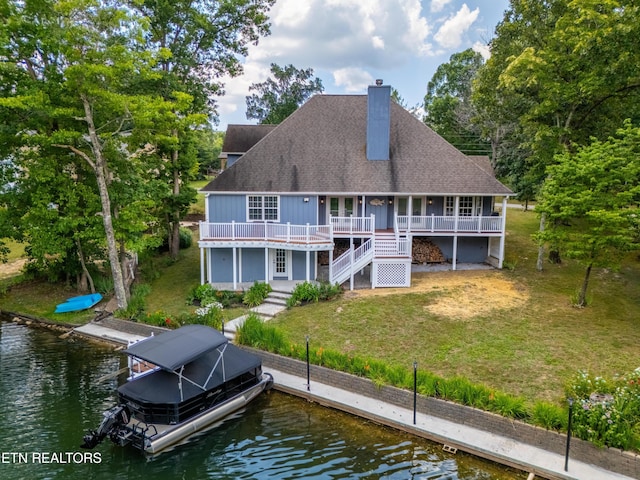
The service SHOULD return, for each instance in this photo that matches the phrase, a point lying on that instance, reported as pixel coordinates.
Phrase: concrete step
(279, 295)
(276, 301)
(268, 310)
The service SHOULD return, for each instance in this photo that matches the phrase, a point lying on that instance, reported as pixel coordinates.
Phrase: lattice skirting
(391, 274)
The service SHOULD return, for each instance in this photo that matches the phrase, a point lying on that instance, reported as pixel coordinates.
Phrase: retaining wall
(615, 460)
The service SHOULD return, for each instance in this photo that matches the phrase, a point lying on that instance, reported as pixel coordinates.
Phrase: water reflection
(51, 396)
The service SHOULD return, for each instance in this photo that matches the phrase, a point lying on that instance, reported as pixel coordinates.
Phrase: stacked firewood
(425, 251)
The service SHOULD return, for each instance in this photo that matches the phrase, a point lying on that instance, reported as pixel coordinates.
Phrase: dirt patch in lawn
(463, 294)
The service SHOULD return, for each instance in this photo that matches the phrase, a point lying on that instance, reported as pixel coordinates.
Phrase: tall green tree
(448, 106)
(591, 199)
(197, 42)
(565, 71)
(68, 73)
(280, 96)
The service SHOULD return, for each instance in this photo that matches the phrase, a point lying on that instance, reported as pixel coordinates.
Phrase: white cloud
(450, 33)
(339, 33)
(349, 43)
(352, 79)
(377, 42)
(438, 5)
(483, 49)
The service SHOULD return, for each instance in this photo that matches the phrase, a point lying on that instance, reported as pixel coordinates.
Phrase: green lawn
(532, 349)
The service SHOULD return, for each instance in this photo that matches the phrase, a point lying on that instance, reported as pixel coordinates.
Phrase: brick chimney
(378, 121)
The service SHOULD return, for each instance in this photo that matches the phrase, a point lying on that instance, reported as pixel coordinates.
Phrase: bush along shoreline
(605, 412)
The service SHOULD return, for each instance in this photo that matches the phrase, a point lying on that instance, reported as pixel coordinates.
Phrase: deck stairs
(353, 260)
(384, 245)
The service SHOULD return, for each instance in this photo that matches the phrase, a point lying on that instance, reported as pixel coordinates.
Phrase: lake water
(52, 390)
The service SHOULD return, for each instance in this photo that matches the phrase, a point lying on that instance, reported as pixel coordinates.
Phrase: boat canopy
(173, 349)
(207, 372)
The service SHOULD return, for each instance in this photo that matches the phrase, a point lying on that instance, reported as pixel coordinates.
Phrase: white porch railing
(353, 225)
(448, 224)
(400, 247)
(274, 232)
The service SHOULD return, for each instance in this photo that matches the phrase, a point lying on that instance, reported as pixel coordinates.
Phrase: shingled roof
(321, 148)
(240, 138)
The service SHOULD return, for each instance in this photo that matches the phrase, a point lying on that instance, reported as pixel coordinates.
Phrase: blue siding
(295, 210)
(470, 249)
(227, 208)
(473, 249)
(253, 265)
(232, 158)
(299, 261)
(487, 206)
(221, 262)
(380, 211)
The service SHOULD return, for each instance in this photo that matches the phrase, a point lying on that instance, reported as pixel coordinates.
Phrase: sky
(351, 43)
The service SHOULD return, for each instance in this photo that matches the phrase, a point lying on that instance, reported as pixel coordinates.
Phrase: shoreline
(514, 444)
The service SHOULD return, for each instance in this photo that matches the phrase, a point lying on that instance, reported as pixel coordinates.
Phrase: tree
(208, 145)
(415, 110)
(448, 106)
(280, 96)
(564, 71)
(591, 201)
(68, 73)
(198, 43)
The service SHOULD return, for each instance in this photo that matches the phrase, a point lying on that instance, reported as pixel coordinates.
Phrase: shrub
(607, 411)
(307, 292)
(161, 319)
(254, 334)
(206, 294)
(135, 305)
(186, 238)
(551, 417)
(256, 294)
(209, 314)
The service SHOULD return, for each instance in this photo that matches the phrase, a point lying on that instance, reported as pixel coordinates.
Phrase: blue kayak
(75, 304)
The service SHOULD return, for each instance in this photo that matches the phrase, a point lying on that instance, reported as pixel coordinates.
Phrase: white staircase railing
(354, 260)
(350, 261)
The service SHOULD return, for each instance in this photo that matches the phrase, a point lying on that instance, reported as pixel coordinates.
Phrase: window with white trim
(467, 206)
(263, 208)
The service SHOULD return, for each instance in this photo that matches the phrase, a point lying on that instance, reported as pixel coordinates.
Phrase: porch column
(202, 265)
(240, 265)
(235, 269)
(308, 266)
(351, 263)
(209, 273)
(331, 265)
(454, 260)
(266, 265)
(315, 265)
(503, 232)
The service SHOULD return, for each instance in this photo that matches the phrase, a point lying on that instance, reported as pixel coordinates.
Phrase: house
(356, 171)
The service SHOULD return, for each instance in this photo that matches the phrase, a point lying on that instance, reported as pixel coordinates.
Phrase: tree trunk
(582, 297)
(543, 219)
(99, 167)
(85, 272)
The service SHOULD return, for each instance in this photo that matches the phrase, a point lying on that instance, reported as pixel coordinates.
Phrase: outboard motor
(114, 418)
